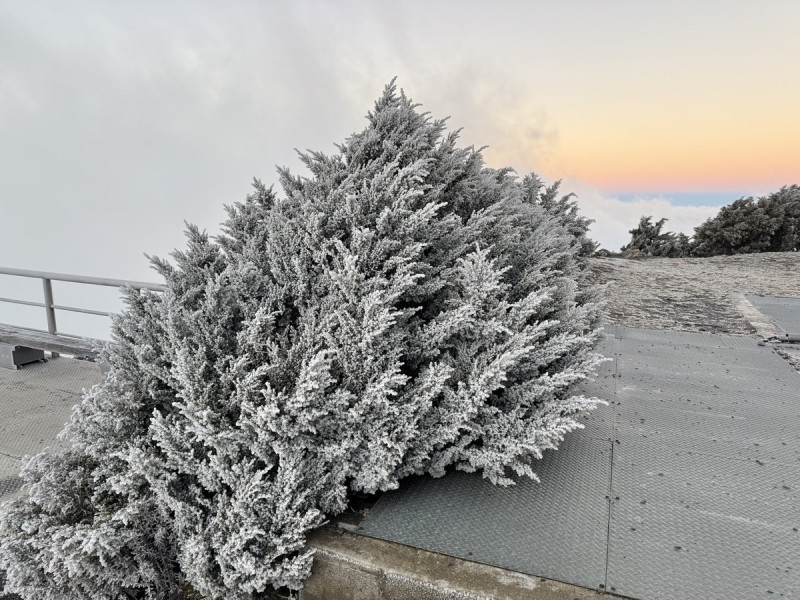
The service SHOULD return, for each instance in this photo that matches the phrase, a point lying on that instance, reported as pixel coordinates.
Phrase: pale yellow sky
(636, 95)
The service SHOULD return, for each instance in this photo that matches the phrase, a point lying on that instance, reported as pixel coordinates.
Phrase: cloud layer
(614, 218)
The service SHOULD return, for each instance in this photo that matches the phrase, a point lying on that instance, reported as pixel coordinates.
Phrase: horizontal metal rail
(86, 311)
(139, 285)
(25, 302)
(49, 304)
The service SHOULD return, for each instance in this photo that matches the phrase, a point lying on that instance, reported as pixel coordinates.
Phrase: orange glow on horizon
(715, 159)
(632, 176)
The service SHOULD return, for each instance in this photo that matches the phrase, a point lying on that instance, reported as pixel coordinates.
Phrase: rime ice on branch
(400, 310)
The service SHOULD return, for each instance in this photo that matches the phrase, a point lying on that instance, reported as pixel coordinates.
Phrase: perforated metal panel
(557, 527)
(35, 403)
(10, 485)
(684, 338)
(692, 525)
(706, 470)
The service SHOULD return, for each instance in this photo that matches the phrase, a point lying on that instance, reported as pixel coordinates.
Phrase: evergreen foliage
(769, 224)
(565, 209)
(401, 310)
(648, 239)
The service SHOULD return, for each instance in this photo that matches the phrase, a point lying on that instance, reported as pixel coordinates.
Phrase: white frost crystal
(401, 310)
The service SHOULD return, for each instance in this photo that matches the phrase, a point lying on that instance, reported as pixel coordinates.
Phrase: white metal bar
(26, 302)
(87, 311)
(139, 285)
(47, 285)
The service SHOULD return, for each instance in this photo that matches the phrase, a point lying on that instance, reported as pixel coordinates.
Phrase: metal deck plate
(558, 527)
(35, 403)
(689, 525)
(784, 312)
(699, 454)
(683, 338)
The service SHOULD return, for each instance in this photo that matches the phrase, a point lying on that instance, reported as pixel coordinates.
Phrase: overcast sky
(120, 120)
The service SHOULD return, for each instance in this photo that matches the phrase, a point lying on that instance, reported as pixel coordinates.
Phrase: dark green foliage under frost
(400, 310)
(769, 224)
(648, 239)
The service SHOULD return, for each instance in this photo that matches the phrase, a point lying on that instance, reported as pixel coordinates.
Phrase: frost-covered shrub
(565, 210)
(768, 224)
(648, 239)
(399, 311)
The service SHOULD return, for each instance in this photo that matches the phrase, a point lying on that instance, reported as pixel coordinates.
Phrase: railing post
(48, 307)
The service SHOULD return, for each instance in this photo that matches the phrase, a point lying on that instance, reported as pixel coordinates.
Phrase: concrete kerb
(349, 566)
(767, 330)
(762, 324)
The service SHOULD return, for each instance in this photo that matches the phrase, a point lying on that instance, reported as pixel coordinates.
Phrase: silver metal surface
(690, 525)
(47, 287)
(75, 346)
(82, 279)
(23, 302)
(706, 471)
(85, 311)
(784, 312)
(701, 464)
(558, 527)
(35, 403)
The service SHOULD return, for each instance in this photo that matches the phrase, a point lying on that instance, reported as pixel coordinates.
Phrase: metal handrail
(139, 285)
(50, 306)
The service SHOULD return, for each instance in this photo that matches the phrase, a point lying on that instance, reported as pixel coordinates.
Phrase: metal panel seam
(611, 455)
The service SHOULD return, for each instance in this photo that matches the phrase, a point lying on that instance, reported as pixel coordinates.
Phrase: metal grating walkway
(686, 487)
(784, 312)
(35, 403)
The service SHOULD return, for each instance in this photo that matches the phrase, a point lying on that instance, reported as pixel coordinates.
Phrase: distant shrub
(648, 240)
(769, 224)
(400, 311)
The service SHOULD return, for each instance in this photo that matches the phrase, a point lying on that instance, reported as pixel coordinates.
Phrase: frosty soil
(694, 294)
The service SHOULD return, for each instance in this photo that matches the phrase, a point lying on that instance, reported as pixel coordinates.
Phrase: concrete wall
(348, 566)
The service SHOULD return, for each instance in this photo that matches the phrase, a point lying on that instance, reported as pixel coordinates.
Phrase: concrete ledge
(354, 567)
(764, 327)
